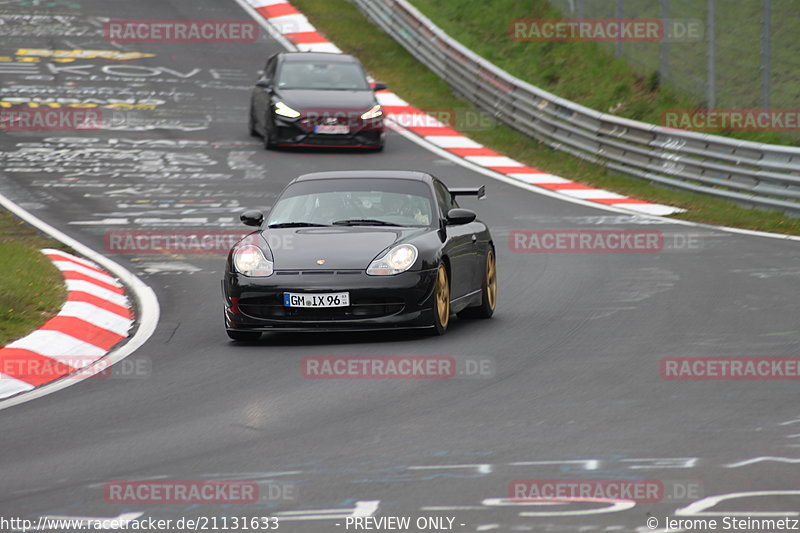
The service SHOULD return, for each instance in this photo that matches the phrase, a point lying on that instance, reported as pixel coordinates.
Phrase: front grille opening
(273, 309)
(313, 272)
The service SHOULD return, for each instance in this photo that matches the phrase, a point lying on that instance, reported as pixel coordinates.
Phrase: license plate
(334, 129)
(332, 299)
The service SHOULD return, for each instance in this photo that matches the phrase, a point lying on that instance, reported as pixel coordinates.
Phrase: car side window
(444, 198)
(269, 70)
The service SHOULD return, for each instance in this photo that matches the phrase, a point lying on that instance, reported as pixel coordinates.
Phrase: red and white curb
(298, 31)
(96, 316)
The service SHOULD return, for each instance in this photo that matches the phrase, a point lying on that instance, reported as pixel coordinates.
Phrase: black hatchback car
(317, 100)
(360, 250)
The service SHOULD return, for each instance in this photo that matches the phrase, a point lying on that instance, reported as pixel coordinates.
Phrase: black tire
(441, 302)
(267, 140)
(251, 124)
(268, 144)
(488, 291)
(243, 336)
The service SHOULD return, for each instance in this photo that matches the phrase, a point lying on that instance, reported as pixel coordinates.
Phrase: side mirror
(380, 86)
(458, 216)
(264, 83)
(252, 217)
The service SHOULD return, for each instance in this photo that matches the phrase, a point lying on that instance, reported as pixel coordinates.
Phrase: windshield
(320, 75)
(366, 202)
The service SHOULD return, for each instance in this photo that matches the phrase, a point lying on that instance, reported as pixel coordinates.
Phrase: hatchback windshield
(320, 75)
(354, 202)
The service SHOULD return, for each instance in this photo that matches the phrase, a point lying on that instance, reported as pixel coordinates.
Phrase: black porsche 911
(316, 99)
(360, 250)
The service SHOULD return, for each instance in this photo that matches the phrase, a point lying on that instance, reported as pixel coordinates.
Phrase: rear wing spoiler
(480, 192)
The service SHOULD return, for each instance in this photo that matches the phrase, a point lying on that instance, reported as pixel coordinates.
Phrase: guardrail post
(619, 13)
(711, 86)
(663, 68)
(766, 67)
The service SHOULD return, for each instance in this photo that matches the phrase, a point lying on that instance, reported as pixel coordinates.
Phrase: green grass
(738, 47)
(31, 287)
(387, 61)
(588, 72)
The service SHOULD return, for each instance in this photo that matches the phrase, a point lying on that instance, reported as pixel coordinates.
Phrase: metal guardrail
(753, 174)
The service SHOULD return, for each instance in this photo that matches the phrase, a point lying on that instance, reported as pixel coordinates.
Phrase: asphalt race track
(573, 387)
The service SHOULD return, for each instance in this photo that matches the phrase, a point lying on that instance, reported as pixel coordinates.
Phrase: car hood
(343, 248)
(303, 99)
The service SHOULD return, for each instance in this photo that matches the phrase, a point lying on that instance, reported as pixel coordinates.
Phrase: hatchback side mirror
(263, 83)
(458, 217)
(380, 86)
(252, 217)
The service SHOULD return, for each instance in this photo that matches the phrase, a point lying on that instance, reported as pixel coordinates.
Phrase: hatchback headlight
(250, 261)
(286, 111)
(397, 260)
(375, 112)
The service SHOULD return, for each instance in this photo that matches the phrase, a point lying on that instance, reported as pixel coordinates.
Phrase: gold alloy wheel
(491, 280)
(442, 297)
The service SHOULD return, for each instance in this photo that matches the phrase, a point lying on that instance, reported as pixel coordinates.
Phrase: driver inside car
(400, 206)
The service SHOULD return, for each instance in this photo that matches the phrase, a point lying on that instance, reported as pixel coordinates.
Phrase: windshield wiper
(297, 225)
(363, 222)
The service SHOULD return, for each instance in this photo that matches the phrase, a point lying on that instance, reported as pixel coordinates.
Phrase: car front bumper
(403, 301)
(363, 134)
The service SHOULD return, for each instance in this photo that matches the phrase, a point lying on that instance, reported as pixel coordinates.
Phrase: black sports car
(316, 99)
(360, 250)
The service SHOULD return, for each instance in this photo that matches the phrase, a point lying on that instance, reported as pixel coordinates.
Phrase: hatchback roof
(317, 56)
(366, 174)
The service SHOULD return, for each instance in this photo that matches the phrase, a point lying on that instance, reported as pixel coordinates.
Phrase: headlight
(399, 259)
(375, 112)
(285, 111)
(250, 261)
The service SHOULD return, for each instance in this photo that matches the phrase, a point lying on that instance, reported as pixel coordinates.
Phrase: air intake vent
(317, 272)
